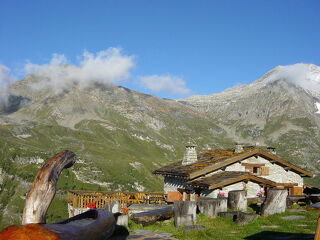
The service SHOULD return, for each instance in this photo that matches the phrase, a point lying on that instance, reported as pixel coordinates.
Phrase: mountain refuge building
(214, 173)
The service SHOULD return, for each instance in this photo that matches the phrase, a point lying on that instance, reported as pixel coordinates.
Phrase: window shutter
(265, 171)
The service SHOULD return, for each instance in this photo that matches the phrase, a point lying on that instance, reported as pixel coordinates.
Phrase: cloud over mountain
(5, 79)
(306, 76)
(164, 83)
(106, 67)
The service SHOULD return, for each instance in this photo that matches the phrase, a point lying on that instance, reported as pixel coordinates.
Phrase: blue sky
(190, 47)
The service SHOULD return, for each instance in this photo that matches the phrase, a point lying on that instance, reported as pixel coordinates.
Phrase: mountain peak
(306, 76)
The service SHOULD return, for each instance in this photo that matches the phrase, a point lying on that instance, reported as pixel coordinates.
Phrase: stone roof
(212, 160)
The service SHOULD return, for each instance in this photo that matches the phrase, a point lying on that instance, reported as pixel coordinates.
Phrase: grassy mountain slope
(120, 135)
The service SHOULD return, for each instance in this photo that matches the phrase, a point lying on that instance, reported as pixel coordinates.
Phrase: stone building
(214, 173)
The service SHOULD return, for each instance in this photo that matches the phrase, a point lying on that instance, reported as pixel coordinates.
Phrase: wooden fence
(80, 199)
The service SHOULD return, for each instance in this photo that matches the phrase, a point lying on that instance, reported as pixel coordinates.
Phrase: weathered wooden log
(93, 225)
(43, 187)
(185, 213)
(211, 207)
(244, 218)
(275, 202)
(150, 217)
(237, 200)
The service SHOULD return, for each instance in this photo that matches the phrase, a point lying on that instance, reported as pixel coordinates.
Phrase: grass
(225, 228)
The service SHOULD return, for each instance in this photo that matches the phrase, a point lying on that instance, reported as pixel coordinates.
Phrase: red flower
(91, 205)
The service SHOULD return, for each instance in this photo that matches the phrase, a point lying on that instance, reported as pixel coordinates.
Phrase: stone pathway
(293, 217)
(296, 210)
(270, 226)
(150, 235)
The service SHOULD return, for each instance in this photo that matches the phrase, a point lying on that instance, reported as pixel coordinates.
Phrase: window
(256, 168)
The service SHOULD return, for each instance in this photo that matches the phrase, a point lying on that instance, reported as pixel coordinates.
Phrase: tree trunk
(184, 213)
(237, 200)
(43, 187)
(275, 202)
(211, 207)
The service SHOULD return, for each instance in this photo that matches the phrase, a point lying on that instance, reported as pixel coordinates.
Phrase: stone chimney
(238, 148)
(190, 155)
(272, 150)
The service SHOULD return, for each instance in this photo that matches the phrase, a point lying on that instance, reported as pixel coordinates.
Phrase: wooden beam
(287, 184)
(253, 164)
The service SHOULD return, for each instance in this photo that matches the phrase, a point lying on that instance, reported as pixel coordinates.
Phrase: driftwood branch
(43, 187)
(93, 225)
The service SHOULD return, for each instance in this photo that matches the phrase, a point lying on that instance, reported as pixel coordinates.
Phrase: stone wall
(276, 174)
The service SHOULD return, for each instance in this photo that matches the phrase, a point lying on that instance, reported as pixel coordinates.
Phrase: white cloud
(5, 79)
(164, 83)
(5, 76)
(106, 67)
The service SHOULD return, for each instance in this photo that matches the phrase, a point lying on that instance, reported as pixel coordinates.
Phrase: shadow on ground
(271, 235)
(255, 207)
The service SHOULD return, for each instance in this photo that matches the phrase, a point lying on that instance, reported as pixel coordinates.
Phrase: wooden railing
(80, 199)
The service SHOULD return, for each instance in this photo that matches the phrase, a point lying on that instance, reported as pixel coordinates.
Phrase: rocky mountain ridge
(120, 135)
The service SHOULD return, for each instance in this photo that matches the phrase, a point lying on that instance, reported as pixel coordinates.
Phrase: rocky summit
(120, 135)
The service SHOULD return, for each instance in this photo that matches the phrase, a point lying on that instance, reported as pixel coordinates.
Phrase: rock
(315, 205)
(194, 227)
(143, 231)
(161, 234)
(244, 218)
(293, 217)
(270, 226)
(134, 236)
(296, 210)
